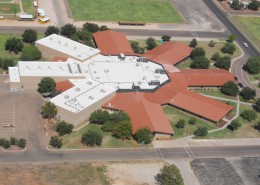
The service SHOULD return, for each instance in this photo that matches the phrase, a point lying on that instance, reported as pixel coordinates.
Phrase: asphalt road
(126, 154)
(240, 39)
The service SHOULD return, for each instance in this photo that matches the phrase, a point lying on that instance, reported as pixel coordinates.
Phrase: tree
(231, 38)
(247, 93)
(48, 110)
(29, 36)
(192, 121)
(143, 135)
(119, 116)
(6, 144)
(257, 105)
(212, 43)
(254, 5)
(13, 140)
(166, 38)
(55, 142)
(150, 43)
(257, 126)
(21, 143)
(91, 27)
(193, 43)
(92, 137)
(108, 126)
(136, 48)
(47, 84)
(230, 89)
(6, 63)
(64, 128)
(99, 117)
(200, 62)
(169, 175)
(103, 28)
(249, 115)
(84, 35)
(75, 37)
(51, 30)
(68, 30)
(123, 130)
(228, 48)
(234, 125)
(253, 65)
(223, 63)
(31, 53)
(201, 131)
(197, 52)
(180, 123)
(215, 56)
(236, 5)
(14, 45)
(90, 44)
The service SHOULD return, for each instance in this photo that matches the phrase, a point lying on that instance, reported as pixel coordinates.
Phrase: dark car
(236, 78)
(240, 85)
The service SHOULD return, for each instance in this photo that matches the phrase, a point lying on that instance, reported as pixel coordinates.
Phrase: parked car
(245, 44)
(240, 85)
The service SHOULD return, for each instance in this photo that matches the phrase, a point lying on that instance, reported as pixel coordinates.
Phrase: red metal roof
(59, 59)
(63, 85)
(207, 77)
(112, 43)
(169, 53)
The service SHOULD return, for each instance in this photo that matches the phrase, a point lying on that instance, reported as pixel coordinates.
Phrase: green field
(175, 115)
(72, 140)
(250, 26)
(28, 7)
(9, 8)
(125, 10)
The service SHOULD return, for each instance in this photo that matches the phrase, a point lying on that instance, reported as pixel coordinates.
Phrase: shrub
(55, 142)
(64, 128)
(249, 115)
(247, 93)
(228, 48)
(215, 56)
(166, 38)
(103, 28)
(150, 43)
(6, 63)
(21, 143)
(119, 116)
(256, 106)
(108, 126)
(31, 53)
(13, 140)
(2, 141)
(180, 123)
(48, 110)
(92, 137)
(234, 125)
(192, 121)
(169, 175)
(257, 126)
(6, 144)
(201, 131)
(51, 30)
(197, 52)
(212, 43)
(223, 63)
(68, 30)
(143, 135)
(253, 65)
(91, 27)
(231, 38)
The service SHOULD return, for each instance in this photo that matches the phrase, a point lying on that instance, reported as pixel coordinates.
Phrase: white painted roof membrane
(14, 74)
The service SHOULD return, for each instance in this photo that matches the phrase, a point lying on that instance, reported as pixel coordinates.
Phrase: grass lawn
(72, 140)
(245, 131)
(174, 115)
(216, 93)
(9, 8)
(125, 10)
(250, 26)
(209, 52)
(28, 7)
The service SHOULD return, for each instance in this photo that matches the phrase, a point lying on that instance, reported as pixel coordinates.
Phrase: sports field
(9, 8)
(249, 26)
(160, 11)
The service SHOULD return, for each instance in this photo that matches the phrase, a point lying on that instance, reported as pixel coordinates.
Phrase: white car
(245, 44)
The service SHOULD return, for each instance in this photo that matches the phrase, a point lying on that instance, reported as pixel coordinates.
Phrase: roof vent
(66, 97)
(103, 90)
(59, 41)
(75, 48)
(77, 89)
(66, 44)
(91, 97)
(89, 83)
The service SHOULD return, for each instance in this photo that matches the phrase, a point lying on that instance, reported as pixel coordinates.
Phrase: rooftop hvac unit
(91, 97)
(89, 83)
(103, 90)
(74, 100)
(70, 69)
(77, 89)
(66, 97)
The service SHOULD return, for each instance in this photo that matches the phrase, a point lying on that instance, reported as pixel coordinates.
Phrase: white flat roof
(84, 94)
(26, 16)
(49, 68)
(14, 74)
(68, 46)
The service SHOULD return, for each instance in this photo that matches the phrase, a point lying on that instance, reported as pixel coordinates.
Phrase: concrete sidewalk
(206, 142)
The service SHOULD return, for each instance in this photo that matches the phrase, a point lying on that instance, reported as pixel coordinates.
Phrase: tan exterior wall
(158, 136)
(79, 118)
(31, 82)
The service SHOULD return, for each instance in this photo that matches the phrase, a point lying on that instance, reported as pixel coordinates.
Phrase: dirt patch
(5, 8)
(133, 174)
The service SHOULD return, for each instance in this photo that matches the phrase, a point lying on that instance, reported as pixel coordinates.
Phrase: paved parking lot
(22, 110)
(220, 171)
